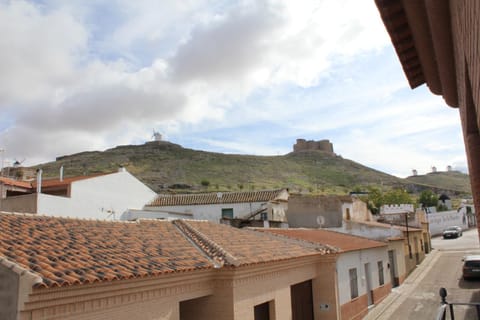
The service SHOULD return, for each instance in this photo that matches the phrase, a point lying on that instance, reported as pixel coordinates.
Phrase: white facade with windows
(365, 264)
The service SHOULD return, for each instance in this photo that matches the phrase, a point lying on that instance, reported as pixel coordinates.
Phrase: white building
(103, 196)
(267, 205)
(362, 268)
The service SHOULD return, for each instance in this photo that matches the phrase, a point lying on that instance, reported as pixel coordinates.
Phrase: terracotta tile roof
(64, 251)
(71, 251)
(16, 183)
(244, 247)
(344, 242)
(163, 200)
(66, 181)
(47, 182)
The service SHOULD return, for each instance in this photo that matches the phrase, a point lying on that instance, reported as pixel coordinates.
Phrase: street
(418, 297)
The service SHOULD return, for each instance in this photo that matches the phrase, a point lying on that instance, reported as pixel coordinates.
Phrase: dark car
(452, 232)
(471, 267)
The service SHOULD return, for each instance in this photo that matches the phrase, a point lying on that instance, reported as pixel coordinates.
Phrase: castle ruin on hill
(304, 145)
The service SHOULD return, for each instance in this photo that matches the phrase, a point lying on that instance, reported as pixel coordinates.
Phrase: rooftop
(64, 251)
(215, 198)
(344, 242)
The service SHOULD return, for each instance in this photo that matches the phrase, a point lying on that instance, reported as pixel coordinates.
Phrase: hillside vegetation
(165, 166)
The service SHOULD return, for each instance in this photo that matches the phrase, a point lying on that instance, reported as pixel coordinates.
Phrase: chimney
(61, 173)
(39, 180)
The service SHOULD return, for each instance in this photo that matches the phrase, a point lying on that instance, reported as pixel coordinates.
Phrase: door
(368, 283)
(392, 265)
(302, 301)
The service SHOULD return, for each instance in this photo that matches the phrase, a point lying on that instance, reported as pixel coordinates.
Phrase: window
(262, 311)
(227, 213)
(381, 280)
(263, 216)
(353, 283)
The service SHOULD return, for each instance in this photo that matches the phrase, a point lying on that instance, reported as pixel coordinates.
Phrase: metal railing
(447, 307)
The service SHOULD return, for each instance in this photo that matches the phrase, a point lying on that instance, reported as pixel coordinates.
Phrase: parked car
(452, 232)
(471, 267)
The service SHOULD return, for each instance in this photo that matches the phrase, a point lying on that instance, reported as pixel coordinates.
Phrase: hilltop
(166, 166)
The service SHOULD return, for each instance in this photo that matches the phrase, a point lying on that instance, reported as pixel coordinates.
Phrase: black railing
(447, 307)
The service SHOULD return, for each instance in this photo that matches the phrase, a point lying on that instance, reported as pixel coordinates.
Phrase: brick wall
(381, 293)
(465, 17)
(355, 309)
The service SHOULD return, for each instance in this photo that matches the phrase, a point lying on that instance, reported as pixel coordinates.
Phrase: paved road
(418, 298)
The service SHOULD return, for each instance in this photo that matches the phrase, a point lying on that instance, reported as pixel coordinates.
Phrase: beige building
(63, 268)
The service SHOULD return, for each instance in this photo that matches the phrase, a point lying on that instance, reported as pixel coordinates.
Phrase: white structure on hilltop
(156, 136)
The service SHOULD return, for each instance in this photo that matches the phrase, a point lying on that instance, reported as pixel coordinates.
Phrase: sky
(241, 77)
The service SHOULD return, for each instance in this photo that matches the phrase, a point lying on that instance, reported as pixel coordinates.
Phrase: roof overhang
(421, 34)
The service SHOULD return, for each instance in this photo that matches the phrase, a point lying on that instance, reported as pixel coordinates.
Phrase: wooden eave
(421, 33)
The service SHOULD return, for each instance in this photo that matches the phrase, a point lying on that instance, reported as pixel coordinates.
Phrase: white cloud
(82, 75)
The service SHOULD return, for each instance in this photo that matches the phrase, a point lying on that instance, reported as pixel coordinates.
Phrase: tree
(428, 199)
(376, 198)
(205, 183)
(397, 196)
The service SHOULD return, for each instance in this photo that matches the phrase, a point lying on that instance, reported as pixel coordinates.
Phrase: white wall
(367, 231)
(357, 259)
(438, 221)
(97, 197)
(211, 212)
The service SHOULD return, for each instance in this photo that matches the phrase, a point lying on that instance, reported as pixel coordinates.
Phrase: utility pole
(408, 236)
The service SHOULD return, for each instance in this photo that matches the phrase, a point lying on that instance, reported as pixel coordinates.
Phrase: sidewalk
(389, 305)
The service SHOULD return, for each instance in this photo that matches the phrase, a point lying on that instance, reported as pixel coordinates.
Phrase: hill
(165, 166)
(451, 180)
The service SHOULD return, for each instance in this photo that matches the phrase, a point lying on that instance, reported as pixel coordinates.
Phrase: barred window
(353, 283)
(381, 279)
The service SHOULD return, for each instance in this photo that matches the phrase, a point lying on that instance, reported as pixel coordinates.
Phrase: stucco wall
(371, 232)
(98, 197)
(397, 246)
(358, 259)
(306, 211)
(438, 221)
(25, 203)
(9, 282)
(212, 212)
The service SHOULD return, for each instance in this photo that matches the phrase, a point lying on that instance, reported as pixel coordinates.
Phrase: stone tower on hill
(304, 145)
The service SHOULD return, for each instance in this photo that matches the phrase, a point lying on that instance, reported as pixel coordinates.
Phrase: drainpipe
(61, 173)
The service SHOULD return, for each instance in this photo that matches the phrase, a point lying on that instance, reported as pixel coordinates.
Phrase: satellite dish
(320, 221)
